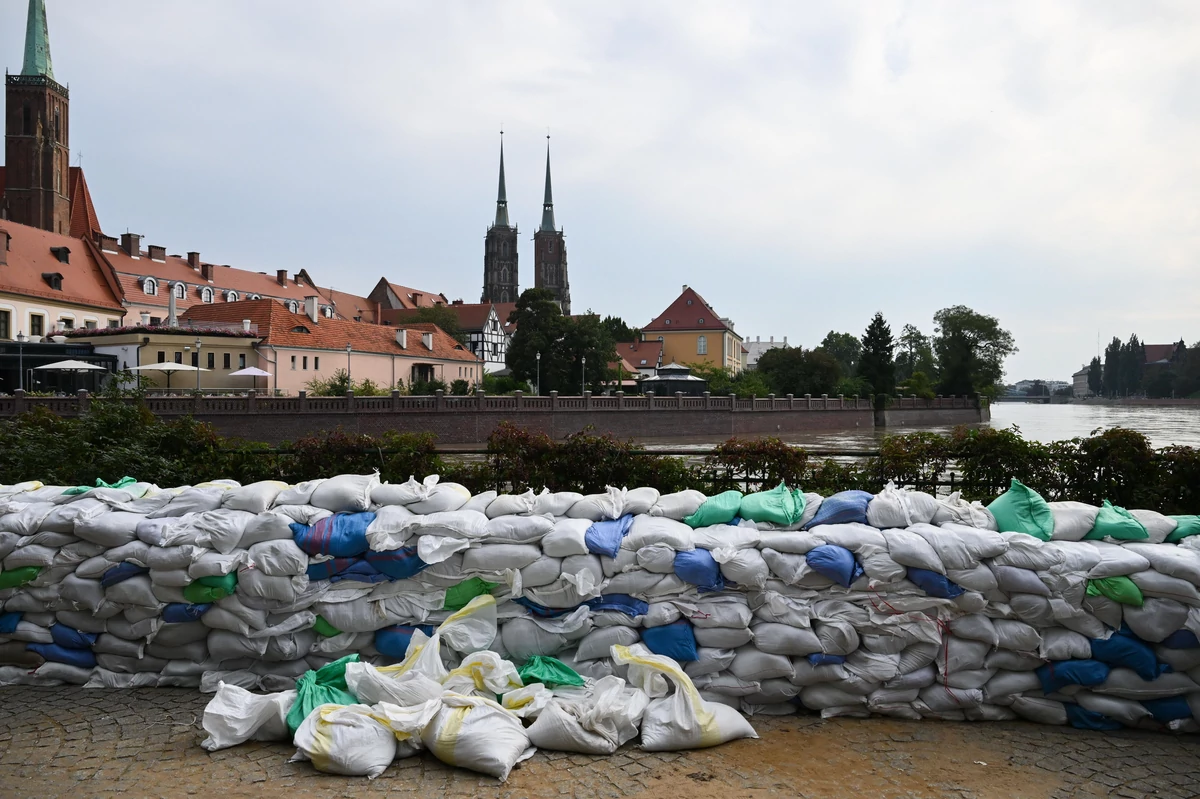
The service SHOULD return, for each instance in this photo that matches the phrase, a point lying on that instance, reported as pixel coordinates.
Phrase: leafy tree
(853, 387)
(971, 349)
(797, 371)
(587, 337)
(1036, 389)
(749, 383)
(919, 385)
(504, 384)
(564, 342)
(722, 382)
(460, 387)
(618, 330)
(1095, 377)
(877, 366)
(915, 354)
(1187, 372)
(1133, 362)
(423, 388)
(845, 349)
(1112, 368)
(445, 318)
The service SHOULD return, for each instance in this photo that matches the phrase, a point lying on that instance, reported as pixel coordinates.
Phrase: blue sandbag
(620, 602)
(820, 659)
(1059, 674)
(604, 538)
(342, 535)
(83, 658)
(393, 641)
(1181, 639)
(1172, 708)
(70, 638)
(122, 572)
(934, 584)
(1124, 649)
(1083, 719)
(675, 640)
(360, 572)
(843, 507)
(541, 611)
(182, 613)
(9, 622)
(325, 569)
(698, 568)
(835, 563)
(398, 564)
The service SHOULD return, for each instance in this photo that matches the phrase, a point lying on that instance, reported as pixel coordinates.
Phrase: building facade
(550, 251)
(485, 325)
(690, 331)
(500, 273)
(756, 348)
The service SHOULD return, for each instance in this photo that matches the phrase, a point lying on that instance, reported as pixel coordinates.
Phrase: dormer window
(253, 296)
(180, 291)
(293, 306)
(206, 294)
(63, 254)
(300, 329)
(53, 280)
(150, 286)
(231, 296)
(327, 311)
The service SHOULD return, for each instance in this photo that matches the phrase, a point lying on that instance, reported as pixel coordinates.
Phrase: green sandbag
(1117, 523)
(1184, 526)
(1020, 509)
(124, 481)
(779, 505)
(210, 589)
(548, 671)
(720, 509)
(458, 596)
(1118, 589)
(14, 577)
(324, 628)
(325, 686)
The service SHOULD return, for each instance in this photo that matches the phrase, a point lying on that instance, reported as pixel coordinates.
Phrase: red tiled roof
(83, 279)
(688, 312)
(1159, 352)
(279, 327)
(472, 316)
(634, 352)
(84, 222)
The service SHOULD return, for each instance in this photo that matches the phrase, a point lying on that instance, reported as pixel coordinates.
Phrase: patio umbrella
(168, 367)
(72, 366)
(251, 371)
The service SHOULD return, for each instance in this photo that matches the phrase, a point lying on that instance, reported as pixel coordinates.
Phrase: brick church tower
(500, 251)
(36, 178)
(550, 250)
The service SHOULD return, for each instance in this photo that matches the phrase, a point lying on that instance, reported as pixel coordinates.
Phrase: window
(225, 361)
(702, 345)
(150, 286)
(305, 367)
(253, 297)
(155, 321)
(90, 324)
(212, 360)
(181, 291)
(293, 306)
(196, 359)
(179, 358)
(206, 294)
(66, 324)
(5, 324)
(231, 296)
(242, 361)
(327, 311)
(316, 362)
(57, 125)
(293, 363)
(27, 120)
(162, 357)
(37, 325)
(114, 322)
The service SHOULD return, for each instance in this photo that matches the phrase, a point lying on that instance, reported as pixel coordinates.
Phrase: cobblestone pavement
(60, 742)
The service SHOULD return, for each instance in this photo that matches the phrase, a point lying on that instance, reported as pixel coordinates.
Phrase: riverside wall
(470, 419)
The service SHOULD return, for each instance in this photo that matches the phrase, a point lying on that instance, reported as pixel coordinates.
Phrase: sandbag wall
(897, 604)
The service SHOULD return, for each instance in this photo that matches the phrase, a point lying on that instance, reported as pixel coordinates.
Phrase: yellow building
(690, 331)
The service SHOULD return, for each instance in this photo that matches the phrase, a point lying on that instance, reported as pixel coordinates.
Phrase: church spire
(548, 201)
(37, 42)
(501, 196)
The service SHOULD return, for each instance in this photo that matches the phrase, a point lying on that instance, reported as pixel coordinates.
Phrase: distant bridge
(1043, 400)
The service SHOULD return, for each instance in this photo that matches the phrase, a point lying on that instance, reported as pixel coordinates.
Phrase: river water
(1163, 426)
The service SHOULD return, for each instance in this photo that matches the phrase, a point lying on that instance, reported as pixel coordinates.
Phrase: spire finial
(501, 195)
(548, 200)
(37, 42)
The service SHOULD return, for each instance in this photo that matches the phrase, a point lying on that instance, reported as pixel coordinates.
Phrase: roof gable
(30, 256)
(689, 311)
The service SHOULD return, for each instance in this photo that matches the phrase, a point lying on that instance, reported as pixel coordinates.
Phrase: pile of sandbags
(899, 604)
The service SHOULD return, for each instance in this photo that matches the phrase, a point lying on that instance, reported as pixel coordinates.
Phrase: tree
(564, 343)
(1036, 389)
(1112, 368)
(877, 365)
(971, 349)
(1133, 362)
(443, 317)
(618, 330)
(722, 382)
(797, 371)
(918, 385)
(845, 349)
(1096, 377)
(915, 354)
(586, 337)
(339, 383)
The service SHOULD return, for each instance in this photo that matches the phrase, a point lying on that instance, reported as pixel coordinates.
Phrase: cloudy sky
(802, 165)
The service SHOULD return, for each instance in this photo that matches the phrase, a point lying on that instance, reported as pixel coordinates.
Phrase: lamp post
(539, 373)
(349, 381)
(21, 361)
(197, 365)
(583, 375)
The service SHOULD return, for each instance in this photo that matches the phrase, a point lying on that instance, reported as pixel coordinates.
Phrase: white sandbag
(554, 504)
(1158, 527)
(215, 564)
(279, 558)
(656, 559)
(1073, 520)
(743, 567)
(1026, 552)
(954, 509)
(346, 493)
(511, 504)
(1174, 561)
(1040, 710)
(648, 530)
(596, 724)
(404, 493)
(1005, 685)
(499, 557)
(443, 498)
(109, 529)
(1125, 711)
(1155, 584)
(794, 542)
(1116, 561)
(640, 500)
(723, 637)
(1016, 635)
(1060, 644)
(517, 529)
(726, 536)
(599, 507)
(910, 549)
(543, 572)
(567, 537)
(30, 555)
(751, 664)
(372, 685)
(1126, 684)
(356, 740)
(900, 507)
(679, 505)
(477, 734)
(710, 660)
(253, 498)
(1155, 619)
(599, 642)
(25, 519)
(196, 499)
(783, 639)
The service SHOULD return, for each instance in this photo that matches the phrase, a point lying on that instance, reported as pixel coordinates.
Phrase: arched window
(180, 291)
(253, 297)
(327, 311)
(293, 306)
(231, 296)
(206, 294)
(504, 274)
(702, 345)
(504, 296)
(150, 286)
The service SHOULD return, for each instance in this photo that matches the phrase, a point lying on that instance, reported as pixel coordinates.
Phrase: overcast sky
(802, 165)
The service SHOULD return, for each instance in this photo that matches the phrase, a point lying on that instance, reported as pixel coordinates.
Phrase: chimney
(172, 311)
(785, 341)
(685, 286)
(310, 307)
(416, 297)
(427, 340)
(194, 260)
(206, 272)
(145, 318)
(4, 247)
(106, 243)
(131, 243)
(157, 253)
(457, 302)
(281, 277)
(245, 325)
(402, 339)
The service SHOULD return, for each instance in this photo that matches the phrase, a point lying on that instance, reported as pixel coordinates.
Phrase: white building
(757, 347)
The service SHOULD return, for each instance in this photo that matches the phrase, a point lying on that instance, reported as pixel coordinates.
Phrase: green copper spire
(548, 201)
(501, 196)
(37, 42)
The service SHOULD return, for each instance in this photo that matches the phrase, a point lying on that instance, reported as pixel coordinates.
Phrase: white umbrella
(251, 371)
(168, 367)
(72, 366)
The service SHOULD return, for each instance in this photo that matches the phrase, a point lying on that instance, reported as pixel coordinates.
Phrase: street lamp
(21, 361)
(197, 365)
(539, 373)
(583, 375)
(349, 381)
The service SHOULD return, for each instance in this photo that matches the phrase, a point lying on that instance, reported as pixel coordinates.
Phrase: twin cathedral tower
(549, 251)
